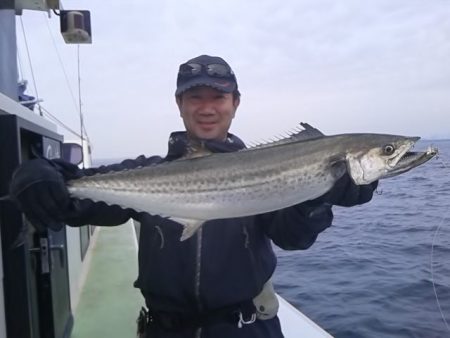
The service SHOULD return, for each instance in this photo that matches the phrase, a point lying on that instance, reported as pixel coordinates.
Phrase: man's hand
(39, 190)
(345, 193)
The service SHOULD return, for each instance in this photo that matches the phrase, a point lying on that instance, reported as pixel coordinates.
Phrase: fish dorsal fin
(196, 148)
(302, 133)
(308, 132)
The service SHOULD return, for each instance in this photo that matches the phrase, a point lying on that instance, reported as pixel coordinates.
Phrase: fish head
(377, 156)
(411, 160)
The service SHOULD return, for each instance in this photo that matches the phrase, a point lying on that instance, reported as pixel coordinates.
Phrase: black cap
(205, 70)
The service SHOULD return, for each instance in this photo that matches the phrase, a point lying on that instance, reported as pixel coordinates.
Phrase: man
(216, 283)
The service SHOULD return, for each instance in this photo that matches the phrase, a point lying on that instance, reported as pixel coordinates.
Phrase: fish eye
(388, 149)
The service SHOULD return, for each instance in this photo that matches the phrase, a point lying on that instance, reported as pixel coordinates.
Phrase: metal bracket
(42, 250)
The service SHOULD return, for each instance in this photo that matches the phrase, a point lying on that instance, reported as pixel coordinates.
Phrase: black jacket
(226, 262)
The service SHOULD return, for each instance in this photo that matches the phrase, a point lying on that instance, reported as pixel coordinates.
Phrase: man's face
(207, 112)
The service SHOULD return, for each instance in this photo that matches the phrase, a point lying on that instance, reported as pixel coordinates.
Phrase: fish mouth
(403, 154)
(410, 160)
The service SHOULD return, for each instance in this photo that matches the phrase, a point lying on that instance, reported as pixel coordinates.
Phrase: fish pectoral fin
(190, 226)
(338, 166)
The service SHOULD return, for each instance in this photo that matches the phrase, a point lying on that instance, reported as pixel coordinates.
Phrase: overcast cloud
(341, 65)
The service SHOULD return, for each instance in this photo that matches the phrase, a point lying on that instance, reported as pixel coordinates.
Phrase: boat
(47, 284)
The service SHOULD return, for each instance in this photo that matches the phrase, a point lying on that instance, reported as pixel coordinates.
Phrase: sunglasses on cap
(213, 69)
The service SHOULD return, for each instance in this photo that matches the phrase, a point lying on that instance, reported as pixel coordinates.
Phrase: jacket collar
(178, 144)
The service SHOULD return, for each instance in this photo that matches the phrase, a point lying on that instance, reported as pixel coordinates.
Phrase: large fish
(205, 186)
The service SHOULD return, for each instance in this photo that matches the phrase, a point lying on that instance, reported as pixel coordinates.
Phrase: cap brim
(223, 85)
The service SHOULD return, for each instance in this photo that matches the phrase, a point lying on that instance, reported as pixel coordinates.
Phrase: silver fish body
(252, 181)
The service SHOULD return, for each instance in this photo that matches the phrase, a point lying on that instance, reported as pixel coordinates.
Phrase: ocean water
(383, 268)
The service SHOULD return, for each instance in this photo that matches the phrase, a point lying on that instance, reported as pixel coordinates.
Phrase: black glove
(39, 190)
(345, 193)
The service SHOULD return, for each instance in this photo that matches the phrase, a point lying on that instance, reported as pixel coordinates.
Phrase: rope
(55, 119)
(82, 129)
(61, 64)
(31, 65)
(431, 265)
(78, 106)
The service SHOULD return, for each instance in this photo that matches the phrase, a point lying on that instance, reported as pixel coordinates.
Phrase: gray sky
(341, 65)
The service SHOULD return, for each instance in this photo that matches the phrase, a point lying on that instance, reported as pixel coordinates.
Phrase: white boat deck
(109, 304)
(295, 324)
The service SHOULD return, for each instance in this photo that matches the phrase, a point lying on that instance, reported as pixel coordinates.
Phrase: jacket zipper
(198, 263)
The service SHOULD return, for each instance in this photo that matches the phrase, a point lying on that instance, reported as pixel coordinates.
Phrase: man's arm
(39, 189)
(297, 227)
